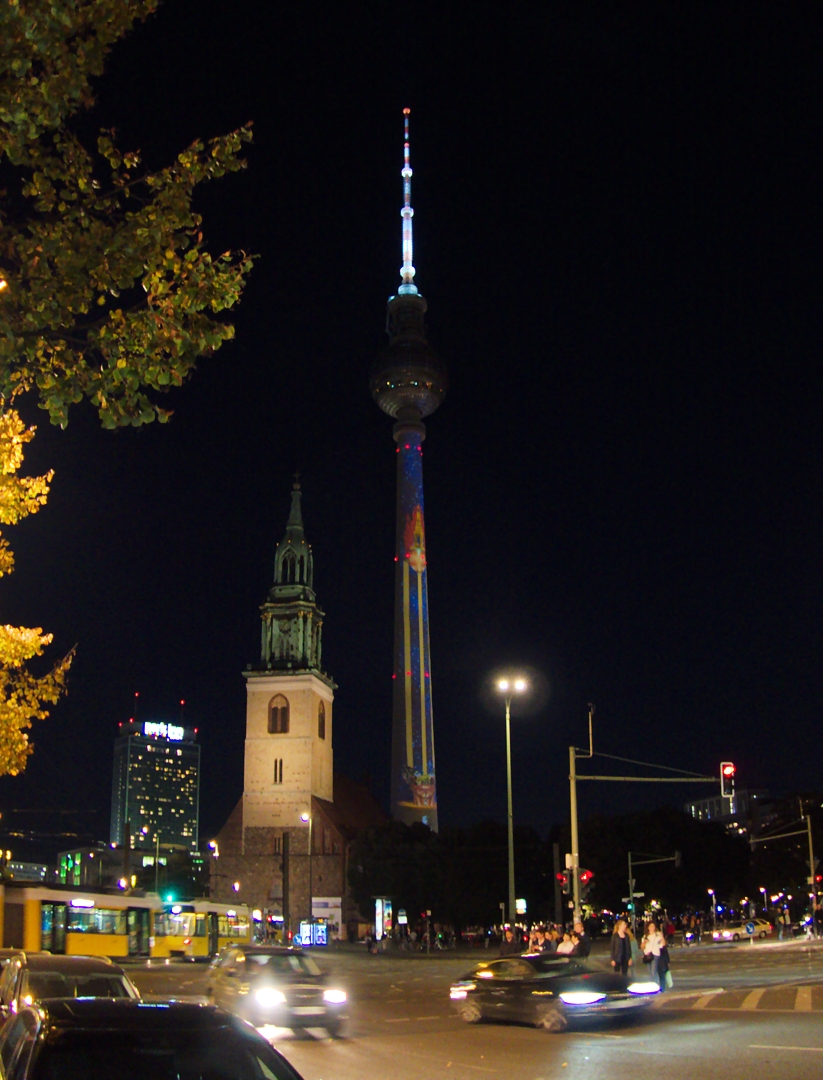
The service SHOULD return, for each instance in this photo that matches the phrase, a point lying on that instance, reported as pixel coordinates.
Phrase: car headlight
(581, 997)
(644, 988)
(267, 995)
(336, 997)
(457, 993)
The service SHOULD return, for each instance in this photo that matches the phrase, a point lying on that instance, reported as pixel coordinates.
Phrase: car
(94, 1039)
(32, 977)
(546, 990)
(277, 985)
(737, 930)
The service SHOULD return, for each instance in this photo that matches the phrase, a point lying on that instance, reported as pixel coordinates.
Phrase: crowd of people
(626, 954)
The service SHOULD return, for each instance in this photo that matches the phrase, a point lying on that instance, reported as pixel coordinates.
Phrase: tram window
(96, 921)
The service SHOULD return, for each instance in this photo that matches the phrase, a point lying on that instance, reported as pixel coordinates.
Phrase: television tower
(408, 382)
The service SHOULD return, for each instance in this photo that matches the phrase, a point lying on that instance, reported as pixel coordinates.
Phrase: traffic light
(586, 877)
(727, 779)
(563, 878)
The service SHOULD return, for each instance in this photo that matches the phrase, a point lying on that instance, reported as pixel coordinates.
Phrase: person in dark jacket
(584, 945)
(621, 948)
(511, 945)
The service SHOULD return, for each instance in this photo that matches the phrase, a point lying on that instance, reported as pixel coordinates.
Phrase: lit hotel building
(155, 796)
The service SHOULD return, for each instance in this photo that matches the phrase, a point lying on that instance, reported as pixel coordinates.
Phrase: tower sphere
(407, 380)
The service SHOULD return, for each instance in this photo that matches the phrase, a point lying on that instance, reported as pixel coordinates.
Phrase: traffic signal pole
(684, 778)
(574, 868)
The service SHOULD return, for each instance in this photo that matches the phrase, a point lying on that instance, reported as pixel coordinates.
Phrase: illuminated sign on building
(163, 731)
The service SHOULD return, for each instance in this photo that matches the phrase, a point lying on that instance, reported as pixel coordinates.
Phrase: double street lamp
(509, 687)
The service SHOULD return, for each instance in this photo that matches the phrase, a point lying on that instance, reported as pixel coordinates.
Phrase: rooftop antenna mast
(407, 270)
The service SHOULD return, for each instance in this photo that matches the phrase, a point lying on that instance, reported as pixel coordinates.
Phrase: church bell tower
(288, 751)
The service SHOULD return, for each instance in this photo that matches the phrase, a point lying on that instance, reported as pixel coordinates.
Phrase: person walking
(654, 946)
(621, 948)
(784, 924)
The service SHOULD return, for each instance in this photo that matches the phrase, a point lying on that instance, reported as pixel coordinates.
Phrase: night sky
(617, 230)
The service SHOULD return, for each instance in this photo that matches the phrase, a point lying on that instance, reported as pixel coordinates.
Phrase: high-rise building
(155, 796)
(408, 382)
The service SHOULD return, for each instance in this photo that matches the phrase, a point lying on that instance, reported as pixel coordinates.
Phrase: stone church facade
(289, 837)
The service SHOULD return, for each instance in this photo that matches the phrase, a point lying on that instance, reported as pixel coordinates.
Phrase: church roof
(354, 807)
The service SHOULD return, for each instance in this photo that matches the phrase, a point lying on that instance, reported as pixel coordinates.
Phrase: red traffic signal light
(563, 878)
(585, 877)
(818, 878)
(727, 771)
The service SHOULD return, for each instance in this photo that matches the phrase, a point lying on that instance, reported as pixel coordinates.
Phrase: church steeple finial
(408, 286)
(295, 523)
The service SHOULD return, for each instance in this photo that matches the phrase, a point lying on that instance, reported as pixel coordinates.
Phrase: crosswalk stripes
(783, 998)
(750, 1000)
(803, 1003)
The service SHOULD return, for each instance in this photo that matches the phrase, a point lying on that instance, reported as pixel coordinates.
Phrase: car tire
(470, 1013)
(736, 937)
(552, 1019)
(336, 1029)
(762, 934)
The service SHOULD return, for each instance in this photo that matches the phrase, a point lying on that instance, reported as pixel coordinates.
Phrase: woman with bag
(655, 954)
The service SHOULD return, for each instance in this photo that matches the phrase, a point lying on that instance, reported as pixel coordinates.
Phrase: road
(737, 1012)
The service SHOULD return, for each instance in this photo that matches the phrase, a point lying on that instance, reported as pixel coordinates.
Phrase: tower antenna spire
(407, 270)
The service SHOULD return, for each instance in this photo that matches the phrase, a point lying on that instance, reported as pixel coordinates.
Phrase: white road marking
(750, 1000)
(803, 1001)
(703, 1001)
(765, 1046)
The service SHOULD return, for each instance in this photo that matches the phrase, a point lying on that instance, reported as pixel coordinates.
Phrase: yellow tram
(89, 923)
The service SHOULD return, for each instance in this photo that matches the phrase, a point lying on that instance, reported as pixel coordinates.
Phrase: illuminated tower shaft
(414, 797)
(408, 383)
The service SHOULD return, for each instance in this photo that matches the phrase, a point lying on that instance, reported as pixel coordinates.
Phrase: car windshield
(167, 1055)
(280, 964)
(552, 966)
(53, 984)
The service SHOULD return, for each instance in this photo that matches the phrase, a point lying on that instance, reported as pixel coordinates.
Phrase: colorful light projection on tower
(408, 382)
(414, 767)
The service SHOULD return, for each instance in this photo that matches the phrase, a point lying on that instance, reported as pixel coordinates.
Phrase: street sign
(750, 928)
(627, 899)
(569, 861)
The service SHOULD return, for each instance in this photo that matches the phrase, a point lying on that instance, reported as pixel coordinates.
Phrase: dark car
(32, 977)
(547, 990)
(276, 985)
(135, 1040)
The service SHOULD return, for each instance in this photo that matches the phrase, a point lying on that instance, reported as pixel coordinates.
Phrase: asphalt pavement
(737, 1012)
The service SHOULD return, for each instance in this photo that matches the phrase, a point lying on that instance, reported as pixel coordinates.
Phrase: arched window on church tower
(278, 715)
(302, 569)
(321, 721)
(288, 568)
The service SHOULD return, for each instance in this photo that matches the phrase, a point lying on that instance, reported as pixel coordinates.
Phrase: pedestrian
(652, 947)
(584, 945)
(566, 946)
(784, 924)
(550, 940)
(511, 944)
(621, 948)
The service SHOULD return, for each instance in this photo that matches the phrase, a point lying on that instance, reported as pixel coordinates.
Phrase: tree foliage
(23, 694)
(110, 292)
(107, 290)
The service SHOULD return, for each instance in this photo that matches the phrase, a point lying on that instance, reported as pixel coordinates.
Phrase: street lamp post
(714, 908)
(510, 687)
(306, 818)
(765, 901)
